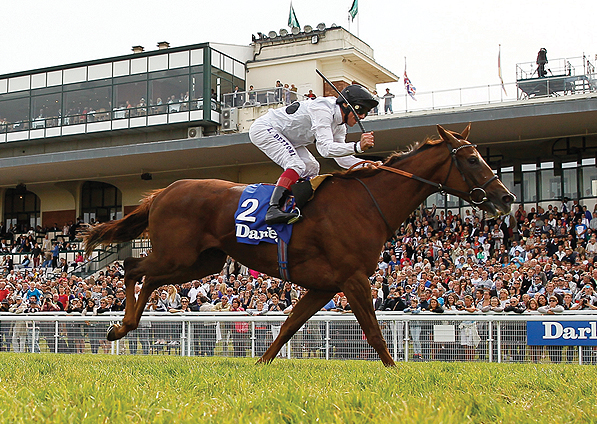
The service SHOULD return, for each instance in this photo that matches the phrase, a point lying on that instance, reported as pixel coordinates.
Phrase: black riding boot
(274, 214)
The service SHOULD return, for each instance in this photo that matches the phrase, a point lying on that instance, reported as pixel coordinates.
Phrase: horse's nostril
(508, 199)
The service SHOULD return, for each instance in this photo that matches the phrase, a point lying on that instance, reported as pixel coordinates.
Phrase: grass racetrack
(49, 388)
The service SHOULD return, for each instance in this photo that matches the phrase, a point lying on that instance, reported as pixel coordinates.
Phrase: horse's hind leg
(209, 262)
(358, 294)
(131, 276)
(309, 304)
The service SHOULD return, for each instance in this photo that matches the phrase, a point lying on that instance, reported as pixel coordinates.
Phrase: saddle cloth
(249, 217)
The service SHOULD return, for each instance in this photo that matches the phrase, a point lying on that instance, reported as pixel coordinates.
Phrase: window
(570, 183)
(45, 108)
(173, 92)
(88, 103)
(101, 201)
(130, 97)
(551, 185)
(14, 109)
(529, 187)
(22, 209)
(589, 181)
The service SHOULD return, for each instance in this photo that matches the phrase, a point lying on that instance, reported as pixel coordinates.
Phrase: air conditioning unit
(229, 119)
(195, 132)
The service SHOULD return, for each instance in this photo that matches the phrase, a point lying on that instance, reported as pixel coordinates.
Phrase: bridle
(440, 187)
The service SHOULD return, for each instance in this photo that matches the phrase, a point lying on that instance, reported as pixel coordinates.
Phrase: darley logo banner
(564, 333)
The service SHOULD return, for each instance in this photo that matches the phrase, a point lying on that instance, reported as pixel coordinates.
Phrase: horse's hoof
(111, 334)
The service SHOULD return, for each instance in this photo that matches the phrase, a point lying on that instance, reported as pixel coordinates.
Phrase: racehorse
(334, 249)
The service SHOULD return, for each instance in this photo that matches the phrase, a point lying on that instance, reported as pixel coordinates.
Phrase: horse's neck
(403, 195)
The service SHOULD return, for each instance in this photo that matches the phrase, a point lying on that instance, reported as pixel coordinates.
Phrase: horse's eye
(473, 160)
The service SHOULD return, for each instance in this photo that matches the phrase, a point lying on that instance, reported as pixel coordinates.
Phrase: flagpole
(406, 95)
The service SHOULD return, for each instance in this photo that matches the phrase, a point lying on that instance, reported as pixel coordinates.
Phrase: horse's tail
(121, 230)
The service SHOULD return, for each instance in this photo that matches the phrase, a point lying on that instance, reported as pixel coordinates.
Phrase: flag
(409, 87)
(354, 9)
(292, 20)
(500, 68)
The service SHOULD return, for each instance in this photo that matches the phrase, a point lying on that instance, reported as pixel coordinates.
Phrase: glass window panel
(158, 63)
(228, 65)
(121, 68)
(588, 161)
(570, 185)
(75, 75)
(546, 165)
(88, 105)
(529, 184)
(216, 58)
(19, 83)
(197, 57)
(528, 167)
(38, 80)
(172, 91)
(569, 164)
(197, 91)
(138, 65)
(452, 201)
(45, 110)
(435, 199)
(15, 110)
(551, 185)
(54, 78)
(589, 181)
(239, 70)
(101, 71)
(179, 59)
(127, 97)
(3, 86)
(109, 195)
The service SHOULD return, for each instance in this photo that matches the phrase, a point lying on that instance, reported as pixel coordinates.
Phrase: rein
(441, 187)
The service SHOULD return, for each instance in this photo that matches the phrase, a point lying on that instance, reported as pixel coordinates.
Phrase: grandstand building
(90, 139)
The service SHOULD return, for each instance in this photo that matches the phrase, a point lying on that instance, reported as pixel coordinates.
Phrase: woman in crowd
(240, 331)
(469, 337)
(76, 342)
(535, 351)
(92, 327)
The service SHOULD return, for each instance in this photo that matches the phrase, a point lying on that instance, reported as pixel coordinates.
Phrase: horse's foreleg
(358, 294)
(305, 308)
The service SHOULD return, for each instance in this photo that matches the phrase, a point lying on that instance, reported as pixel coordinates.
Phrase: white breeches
(281, 151)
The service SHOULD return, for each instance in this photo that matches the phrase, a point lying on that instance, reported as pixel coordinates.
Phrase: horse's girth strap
(283, 259)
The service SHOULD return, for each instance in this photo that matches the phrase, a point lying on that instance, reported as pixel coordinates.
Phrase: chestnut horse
(334, 249)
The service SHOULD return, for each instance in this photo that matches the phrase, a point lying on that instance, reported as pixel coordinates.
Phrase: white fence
(425, 336)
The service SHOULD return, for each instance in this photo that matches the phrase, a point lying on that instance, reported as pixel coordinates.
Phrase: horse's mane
(397, 156)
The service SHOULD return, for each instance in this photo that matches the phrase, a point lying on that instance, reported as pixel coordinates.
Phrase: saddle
(304, 191)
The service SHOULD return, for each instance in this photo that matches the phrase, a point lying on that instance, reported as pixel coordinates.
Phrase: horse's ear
(447, 136)
(466, 132)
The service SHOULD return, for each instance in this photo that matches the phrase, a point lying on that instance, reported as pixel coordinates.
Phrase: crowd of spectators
(535, 262)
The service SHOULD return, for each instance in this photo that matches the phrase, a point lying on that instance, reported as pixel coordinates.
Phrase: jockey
(283, 135)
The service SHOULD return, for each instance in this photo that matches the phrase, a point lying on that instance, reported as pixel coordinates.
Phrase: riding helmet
(359, 97)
